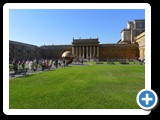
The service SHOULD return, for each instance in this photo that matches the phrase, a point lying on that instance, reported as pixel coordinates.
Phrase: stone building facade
(133, 29)
(23, 51)
(54, 51)
(118, 51)
(85, 48)
(81, 48)
(90, 49)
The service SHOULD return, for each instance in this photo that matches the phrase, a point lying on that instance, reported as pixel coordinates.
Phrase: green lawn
(79, 87)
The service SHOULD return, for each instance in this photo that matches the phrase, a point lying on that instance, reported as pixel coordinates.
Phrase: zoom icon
(147, 99)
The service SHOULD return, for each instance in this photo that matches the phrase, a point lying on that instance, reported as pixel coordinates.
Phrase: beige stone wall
(140, 39)
(54, 52)
(118, 51)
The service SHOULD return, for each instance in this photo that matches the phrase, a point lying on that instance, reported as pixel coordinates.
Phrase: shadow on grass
(33, 74)
(24, 76)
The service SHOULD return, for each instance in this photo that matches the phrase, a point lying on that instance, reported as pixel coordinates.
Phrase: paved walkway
(39, 70)
(29, 72)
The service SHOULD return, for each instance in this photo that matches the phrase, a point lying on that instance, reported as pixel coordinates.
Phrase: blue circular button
(147, 99)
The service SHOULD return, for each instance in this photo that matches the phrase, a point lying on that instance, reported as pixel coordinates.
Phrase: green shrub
(39, 65)
(10, 67)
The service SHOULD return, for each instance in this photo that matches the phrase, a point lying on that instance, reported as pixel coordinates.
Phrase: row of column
(85, 51)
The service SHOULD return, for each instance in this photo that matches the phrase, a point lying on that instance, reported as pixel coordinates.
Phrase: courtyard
(90, 86)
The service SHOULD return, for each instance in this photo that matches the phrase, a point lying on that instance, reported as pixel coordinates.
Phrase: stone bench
(124, 62)
(99, 62)
(110, 62)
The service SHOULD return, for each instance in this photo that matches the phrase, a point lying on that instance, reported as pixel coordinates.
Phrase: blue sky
(59, 26)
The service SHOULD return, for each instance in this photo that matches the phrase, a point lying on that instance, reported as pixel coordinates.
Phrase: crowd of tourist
(34, 64)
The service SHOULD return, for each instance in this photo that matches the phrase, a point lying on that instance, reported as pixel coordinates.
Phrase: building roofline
(119, 40)
(139, 20)
(125, 29)
(55, 45)
(21, 43)
(140, 33)
(86, 39)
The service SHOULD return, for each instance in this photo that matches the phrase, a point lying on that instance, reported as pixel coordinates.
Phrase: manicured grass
(79, 87)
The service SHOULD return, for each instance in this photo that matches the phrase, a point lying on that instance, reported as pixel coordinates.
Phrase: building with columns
(85, 48)
(91, 48)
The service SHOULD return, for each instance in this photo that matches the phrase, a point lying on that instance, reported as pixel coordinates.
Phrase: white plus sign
(147, 99)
